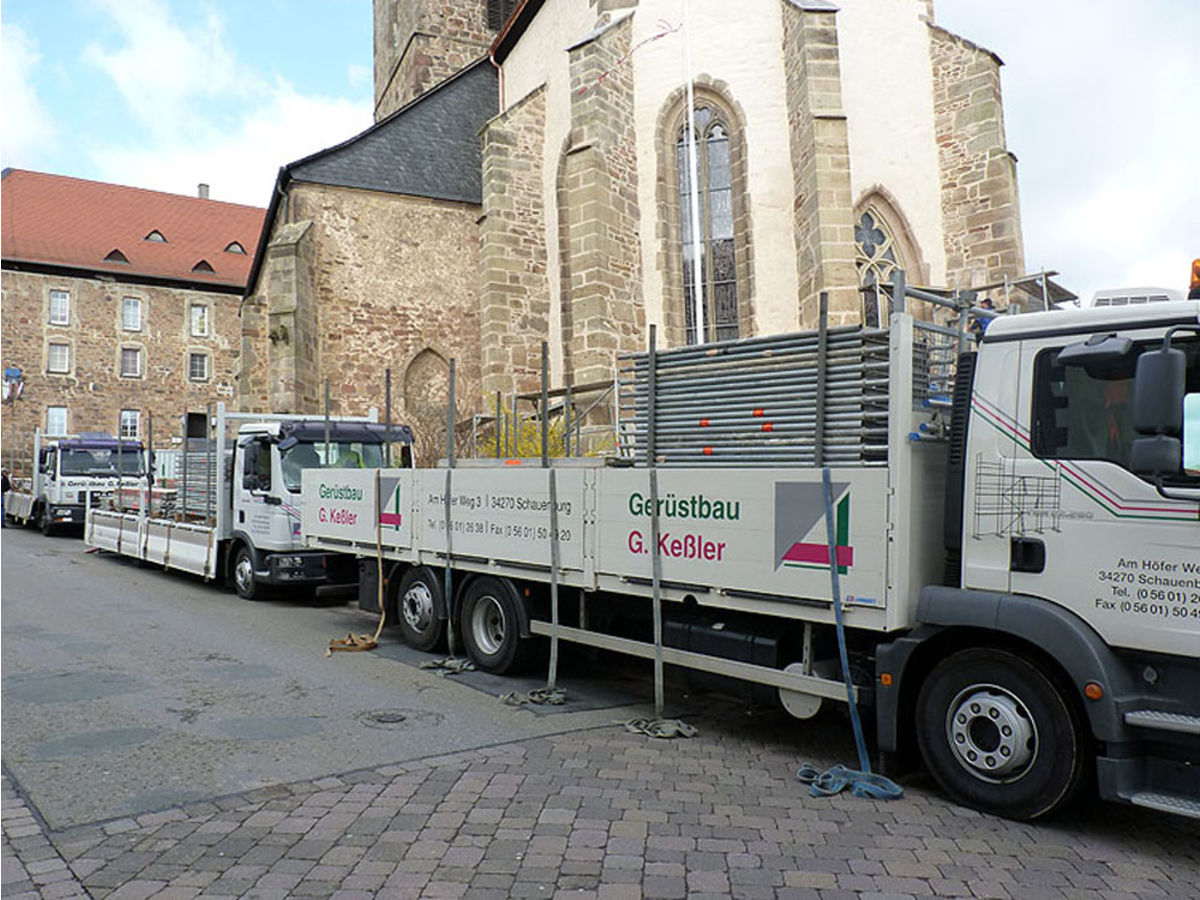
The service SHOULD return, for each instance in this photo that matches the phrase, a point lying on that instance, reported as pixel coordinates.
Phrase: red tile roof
(55, 220)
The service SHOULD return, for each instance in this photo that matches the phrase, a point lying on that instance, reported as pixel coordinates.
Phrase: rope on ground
(451, 665)
(836, 779)
(540, 696)
(662, 728)
(352, 643)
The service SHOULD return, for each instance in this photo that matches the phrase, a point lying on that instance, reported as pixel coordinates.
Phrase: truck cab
(73, 471)
(266, 502)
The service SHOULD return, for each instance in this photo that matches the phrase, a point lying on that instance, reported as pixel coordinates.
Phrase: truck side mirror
(1158, 389)
(1191, 434)
(250, 481)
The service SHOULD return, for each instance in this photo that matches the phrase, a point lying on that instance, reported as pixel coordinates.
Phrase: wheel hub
(243, 573)
(417, 607)
(487, 625)
(991, 732)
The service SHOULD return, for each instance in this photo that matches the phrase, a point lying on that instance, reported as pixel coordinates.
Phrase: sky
(1101, 102)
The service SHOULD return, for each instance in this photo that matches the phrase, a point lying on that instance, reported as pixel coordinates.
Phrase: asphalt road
(128, 690)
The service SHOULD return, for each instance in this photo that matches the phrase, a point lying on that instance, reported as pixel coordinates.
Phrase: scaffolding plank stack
(758, 402)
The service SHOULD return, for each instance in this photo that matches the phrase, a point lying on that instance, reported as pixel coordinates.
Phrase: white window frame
(193, 355)
(125, 307)
(198, 332)
(63, 297)
(52, 414)
(124, 418)
(65, 369)
(121, 364)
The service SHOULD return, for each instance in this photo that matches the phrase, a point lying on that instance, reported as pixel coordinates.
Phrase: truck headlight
(290, 562)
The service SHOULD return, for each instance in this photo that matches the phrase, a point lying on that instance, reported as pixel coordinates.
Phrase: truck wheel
(421, 609)
(46, 524)
(490, 626)
(999, 735)
(243, 574)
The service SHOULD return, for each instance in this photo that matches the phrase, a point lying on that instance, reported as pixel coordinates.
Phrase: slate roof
(70, 223)
(428, 148)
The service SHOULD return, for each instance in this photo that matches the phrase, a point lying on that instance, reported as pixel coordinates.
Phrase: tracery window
(876, 258)
(718, 258)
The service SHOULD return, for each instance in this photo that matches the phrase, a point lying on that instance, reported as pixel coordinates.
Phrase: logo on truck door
(800, 535)
(389, 502)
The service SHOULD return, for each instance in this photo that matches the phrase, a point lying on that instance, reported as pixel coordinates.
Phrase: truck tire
(243, 574)
(999, 735)
(45, 523)
(490, 626)
(421, 609)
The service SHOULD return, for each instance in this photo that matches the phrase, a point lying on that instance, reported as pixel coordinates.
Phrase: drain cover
(386, 717)
(398, 718)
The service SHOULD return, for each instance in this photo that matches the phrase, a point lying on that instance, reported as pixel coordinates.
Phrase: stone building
(119, 304)
(833, 145)
(367, 261)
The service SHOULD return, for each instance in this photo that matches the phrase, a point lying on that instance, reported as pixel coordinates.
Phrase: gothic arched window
(716, 245)
(876, 256)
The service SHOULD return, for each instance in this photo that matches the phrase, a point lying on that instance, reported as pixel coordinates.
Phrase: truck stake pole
(822, 377)
(210, 502)
(183, 494)
(327, 459)
(387, 406)
(499, 425)
(656, 557)
(514, 428)
(451, 636)
(545, 405)
(567, 423)
(552, 679)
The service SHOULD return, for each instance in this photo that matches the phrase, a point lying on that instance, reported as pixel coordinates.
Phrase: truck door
(992, 445)
(1087, 532)
(253, 511)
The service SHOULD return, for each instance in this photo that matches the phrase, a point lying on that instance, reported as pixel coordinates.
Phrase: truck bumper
(65, 513)
(307, 568)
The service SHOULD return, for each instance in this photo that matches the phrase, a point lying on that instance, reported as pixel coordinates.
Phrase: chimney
(202, 191)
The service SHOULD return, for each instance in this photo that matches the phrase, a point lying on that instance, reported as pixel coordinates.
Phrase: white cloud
(359, 76)
(1099, 107)
(28, 130)
(207, 116)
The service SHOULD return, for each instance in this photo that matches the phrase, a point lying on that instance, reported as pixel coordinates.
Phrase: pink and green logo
(800, 534)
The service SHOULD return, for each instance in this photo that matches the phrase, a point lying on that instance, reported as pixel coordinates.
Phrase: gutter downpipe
(694, 178)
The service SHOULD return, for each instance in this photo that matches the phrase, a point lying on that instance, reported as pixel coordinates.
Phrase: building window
(130, 419)
(56, 420)
(235, 247)
(715, 240)
(156, 237)
(58, 358)
(131, 362)
(203, 266)
(199, 315)
(60, 308)
(198, 366)
(131, 314)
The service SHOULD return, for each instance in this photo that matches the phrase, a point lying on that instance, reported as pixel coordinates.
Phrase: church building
(828, 145)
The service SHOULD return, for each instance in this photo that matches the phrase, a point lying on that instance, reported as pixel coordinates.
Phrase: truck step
(1181, 806)
(1163, 721)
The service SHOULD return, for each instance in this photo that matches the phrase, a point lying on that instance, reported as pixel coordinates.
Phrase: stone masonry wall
(419, 43)
(603, 311)
(824, 224)
(381, 281)
(93, 391)
(980, 209)
(515, 294)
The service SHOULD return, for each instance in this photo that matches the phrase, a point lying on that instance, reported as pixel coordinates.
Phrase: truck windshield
(97, 461)
(342, 455)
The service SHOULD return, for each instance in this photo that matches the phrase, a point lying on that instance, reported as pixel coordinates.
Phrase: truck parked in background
(68, 472)
(1017, 542)
(235, 512)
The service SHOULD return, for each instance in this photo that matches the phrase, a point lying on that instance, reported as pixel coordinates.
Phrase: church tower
(420, 43)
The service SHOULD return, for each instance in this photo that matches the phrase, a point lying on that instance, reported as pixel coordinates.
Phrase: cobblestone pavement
(601, 813)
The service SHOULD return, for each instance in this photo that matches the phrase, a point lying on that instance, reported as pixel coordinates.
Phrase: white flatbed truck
(246, 527)
(1018, 544)
(69, 472)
